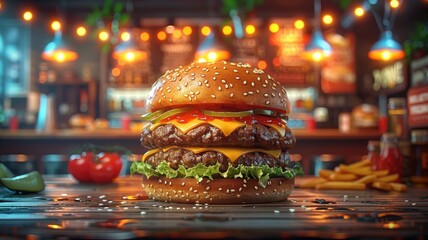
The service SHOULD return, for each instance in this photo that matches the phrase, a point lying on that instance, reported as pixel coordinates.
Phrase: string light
(170, 29)
(250, 29)
(125, 36)
(262, 64)
(205, 30)
(359, 11)
(81, 31)
(115, 72)
(274, 27)
(1, 5)
(144, 36)
(55, 25)
(299, 24)
(394, 3)
(187, 30)
(177, 33)
(226, 30)
(103, 35)
(161, 35)
(327, 19)
(27, 15)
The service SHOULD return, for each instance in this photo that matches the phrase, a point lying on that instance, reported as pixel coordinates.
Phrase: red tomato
(80, 166)
(102, 172)
(111, 157)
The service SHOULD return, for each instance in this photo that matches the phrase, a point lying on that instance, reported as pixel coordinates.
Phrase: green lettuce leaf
(262, 172)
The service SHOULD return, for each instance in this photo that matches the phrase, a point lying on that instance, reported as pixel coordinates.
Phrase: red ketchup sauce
(251, 119)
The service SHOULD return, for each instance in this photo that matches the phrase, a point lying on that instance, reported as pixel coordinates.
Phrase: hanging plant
(417, 45)
(111, 16)
(238, 11)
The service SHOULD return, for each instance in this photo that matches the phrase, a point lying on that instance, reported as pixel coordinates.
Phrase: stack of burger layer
(217, 133)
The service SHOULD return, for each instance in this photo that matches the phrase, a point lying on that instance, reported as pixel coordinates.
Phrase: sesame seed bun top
(224, 85)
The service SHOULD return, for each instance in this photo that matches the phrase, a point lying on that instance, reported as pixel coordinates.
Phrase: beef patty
(205, 135)
(181, 156)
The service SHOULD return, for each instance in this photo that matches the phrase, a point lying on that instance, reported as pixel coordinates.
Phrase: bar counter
(351, 145)
(121, 210)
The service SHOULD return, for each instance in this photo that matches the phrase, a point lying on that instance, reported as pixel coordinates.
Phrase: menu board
(417, 101)
(250, 48)
(338, 72)
(285, 48)
(177, 48)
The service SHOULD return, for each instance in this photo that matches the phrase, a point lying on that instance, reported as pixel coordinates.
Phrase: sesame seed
(186, 95)
(219, 88)
(253, 84)
(178, 88)
(231, 85)
(255, 187)
(237, 78)
(244, 82)
(266, 95)
(197, 92)
(199, 83)
(258, 79)
(224, 67)
(238, 195)
(226, 86)
(203, 75)
(220, 189)
(245, 94)
(264, 85)
(257, 91)
(267, 102)
(212, 96)
(223, 81)
(273, 94)
(207, 85)
(231, 95)
(235, 70)
(216, 73)
(214, 78)
(274, 88)
(170, 100)
(185, 84)
(250, 92)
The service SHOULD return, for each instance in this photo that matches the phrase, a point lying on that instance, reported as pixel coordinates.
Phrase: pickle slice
(5, 172)
(30, 182)
(150, 116)
(169, 113)
(227, 114)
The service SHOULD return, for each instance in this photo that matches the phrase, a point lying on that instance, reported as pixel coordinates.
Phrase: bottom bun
(217, 191)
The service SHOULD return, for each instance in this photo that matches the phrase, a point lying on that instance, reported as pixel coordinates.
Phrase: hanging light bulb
(58, 51)
(386, 48)
(211, 50)
(128, 51)
(318, 48)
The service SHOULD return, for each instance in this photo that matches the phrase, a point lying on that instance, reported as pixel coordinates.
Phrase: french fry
(361, 171)
(337, 185)
(388, 178)
(311, 183)
(380, 173)
(342, 177)
(385, 186)
(398, 187)
(361, 163)
(325, 173)
(367, 179)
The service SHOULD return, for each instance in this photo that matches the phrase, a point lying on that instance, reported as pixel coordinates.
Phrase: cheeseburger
(217, 133)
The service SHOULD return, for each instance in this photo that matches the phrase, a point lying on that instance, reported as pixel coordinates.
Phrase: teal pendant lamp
(318, 48)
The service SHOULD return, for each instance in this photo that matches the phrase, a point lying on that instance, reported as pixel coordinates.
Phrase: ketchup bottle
(390, 156)
(373, 148)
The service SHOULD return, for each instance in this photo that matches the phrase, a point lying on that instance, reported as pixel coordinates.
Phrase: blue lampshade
(211, 50)
(318, 48)
(386, 48)
(58, 51)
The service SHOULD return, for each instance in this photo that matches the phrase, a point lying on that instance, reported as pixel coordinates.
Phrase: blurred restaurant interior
(74, 72)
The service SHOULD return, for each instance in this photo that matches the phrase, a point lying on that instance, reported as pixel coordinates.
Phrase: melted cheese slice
(232, 153)
(226, 127)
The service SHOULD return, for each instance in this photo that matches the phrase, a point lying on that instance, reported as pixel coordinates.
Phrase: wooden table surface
(120, 210)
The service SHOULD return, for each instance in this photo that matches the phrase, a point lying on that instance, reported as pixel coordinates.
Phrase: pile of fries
(355, 176)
